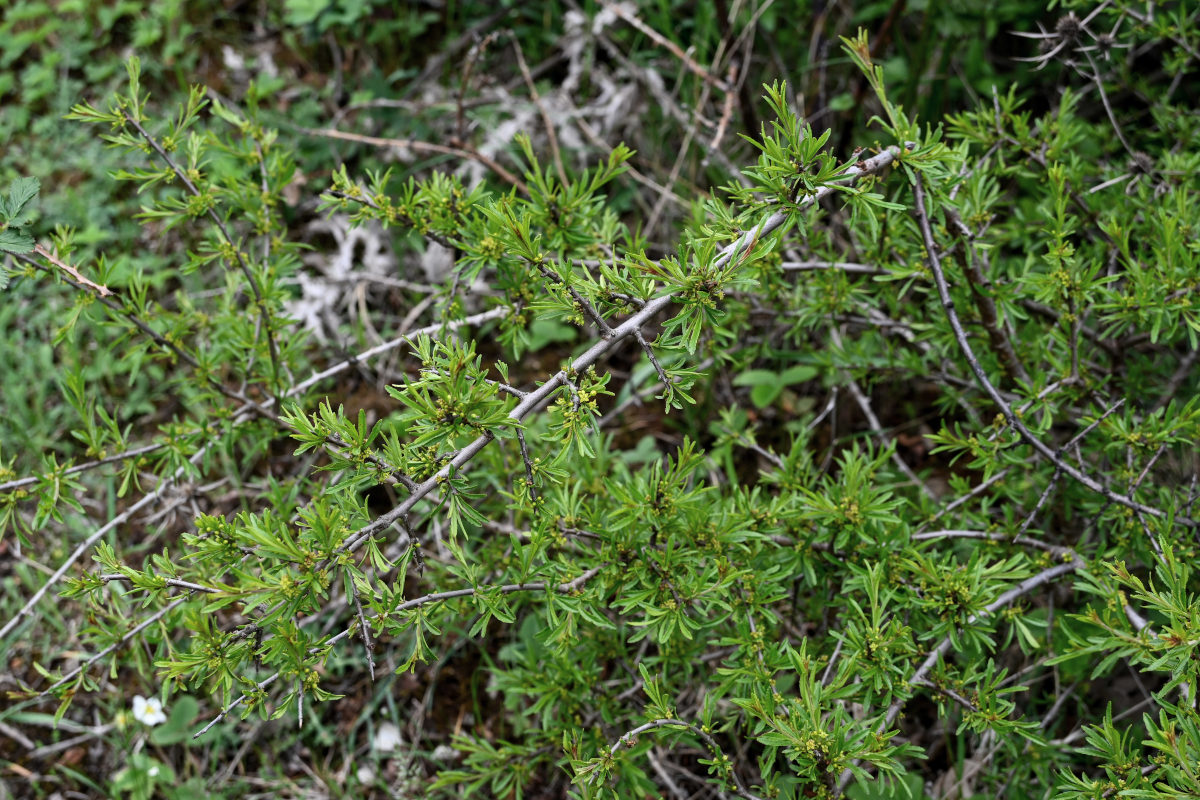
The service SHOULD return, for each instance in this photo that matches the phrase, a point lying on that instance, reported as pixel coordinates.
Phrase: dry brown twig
(421, 147)
(551, 136)
(103, 291)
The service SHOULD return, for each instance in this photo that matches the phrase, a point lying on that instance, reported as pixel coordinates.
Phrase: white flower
(149, 711)
(152, 772)
(387, 737)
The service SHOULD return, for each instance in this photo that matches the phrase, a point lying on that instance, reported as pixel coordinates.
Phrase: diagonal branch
(534, 399)
(170, 480)
(263, 314)
(629, 738)
(421, 147)
(634, 323)
(920, 676)
(943, 289)
(981, 287)
(102, 291)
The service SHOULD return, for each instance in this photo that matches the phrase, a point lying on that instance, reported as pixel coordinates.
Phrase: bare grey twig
(602, 347)
(124, 455)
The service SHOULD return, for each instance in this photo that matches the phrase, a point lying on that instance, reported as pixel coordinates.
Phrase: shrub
(754, 601)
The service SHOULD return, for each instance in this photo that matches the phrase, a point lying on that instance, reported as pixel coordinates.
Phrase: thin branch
(662, 375)
(633, 173)
(91, 540)
(369, 203)
(537, 586)
(1176, 380)
(534, 399)
(1026, 541)
(169, 481)
(656, 37)
(178, 584)
(388, 346)
(864, 404)
(125, 639)
(67, 744)
(1021, 589)
(420, 147)
(533, 493)
(551, 136)
(841, 266)
(1037, 508)
(1112, 118)
(981, 287)
(263, 313)
(464, 82)
(635, 400)
(674, 788)
(628, 739)
(238, 395)
(125, 455)
(103, 291)
(584, 305)
(363, 628)
(601, 348)
(106, 298)
(1013, 420)
(726, 113)
(948, 692)
(690, 134)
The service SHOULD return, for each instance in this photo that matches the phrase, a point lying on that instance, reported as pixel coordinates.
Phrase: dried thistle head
(1069, 28)
(1068, 35)
(1103, 44)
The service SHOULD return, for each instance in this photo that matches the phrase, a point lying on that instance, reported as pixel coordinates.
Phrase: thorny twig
(167, 482)
(536, 398)
(264, 314)
(566, 587)
(419, 147)
(1013, 420)
(102, 291)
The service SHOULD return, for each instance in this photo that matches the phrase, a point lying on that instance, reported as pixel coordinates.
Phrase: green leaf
(768, 385)
(799, 374)
(841, 102)
(14, 241)
(764, 394)
(23, 191)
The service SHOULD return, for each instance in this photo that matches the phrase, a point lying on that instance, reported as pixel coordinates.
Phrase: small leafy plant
(760, 604)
